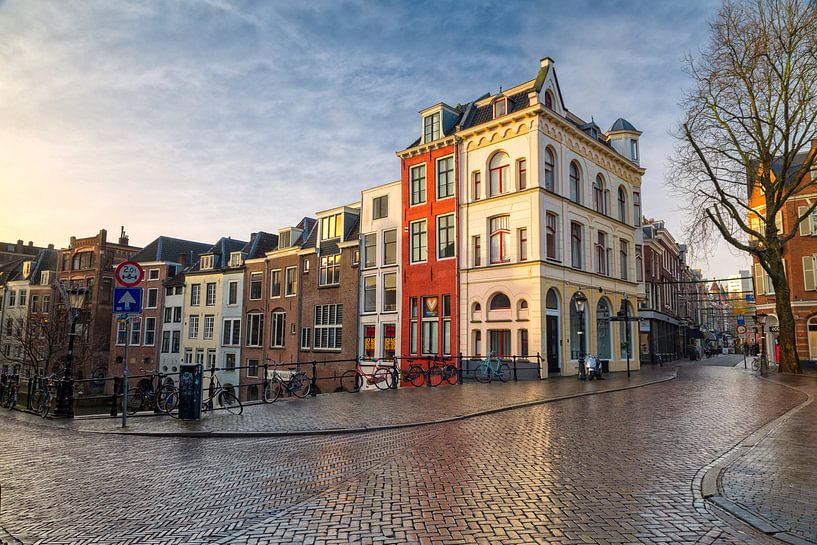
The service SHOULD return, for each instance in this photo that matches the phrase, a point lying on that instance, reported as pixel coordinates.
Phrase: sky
(209, 118)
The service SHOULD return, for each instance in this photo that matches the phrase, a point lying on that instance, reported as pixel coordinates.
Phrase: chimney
(30, 244)
(123, 238)
(183, 260)
(50, 246)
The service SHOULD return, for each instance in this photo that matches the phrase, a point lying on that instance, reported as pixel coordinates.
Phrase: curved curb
(384, 427)
(707, 482)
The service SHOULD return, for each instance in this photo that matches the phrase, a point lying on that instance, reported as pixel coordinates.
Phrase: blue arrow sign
(127, 300)
(750, 298)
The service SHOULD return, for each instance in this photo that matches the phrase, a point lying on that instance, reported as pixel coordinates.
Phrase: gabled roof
(260, 243)
(221, 251)
(46, 260)
(169, 249)
(351, 225)
(483, 114)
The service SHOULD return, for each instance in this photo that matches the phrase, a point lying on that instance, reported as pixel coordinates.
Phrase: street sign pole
(125, 379)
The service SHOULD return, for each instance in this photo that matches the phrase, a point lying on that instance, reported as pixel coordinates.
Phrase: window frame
(418, 195)
(450, 236)
(386, 244)
(575, 183)
(420, 250)
(449, 178)
(380, 207)
(503, 234)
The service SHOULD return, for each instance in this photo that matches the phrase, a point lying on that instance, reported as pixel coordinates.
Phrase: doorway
(553, 337)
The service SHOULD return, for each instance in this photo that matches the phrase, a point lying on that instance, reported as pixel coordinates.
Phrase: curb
(710, 482)
(8, 539)
(385, 427)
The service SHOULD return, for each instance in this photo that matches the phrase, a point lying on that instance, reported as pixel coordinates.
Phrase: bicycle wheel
(504, 372)
(351, 381)
(36, 399)
(167, 398)
(230, 402)
(382, 378)
(450, 373)
(135, 400)
(483, 373)
(299, 385)
(755, 365)
(45, 406)
(273, 391)
(435, 375)
(416, 375)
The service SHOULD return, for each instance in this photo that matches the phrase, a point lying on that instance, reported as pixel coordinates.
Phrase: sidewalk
(366, 411)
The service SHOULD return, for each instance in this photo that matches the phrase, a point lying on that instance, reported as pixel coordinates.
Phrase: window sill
(329, 286)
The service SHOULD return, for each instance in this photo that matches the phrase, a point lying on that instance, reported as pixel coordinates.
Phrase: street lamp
(760, 317)
(74, 297)
(581, 301)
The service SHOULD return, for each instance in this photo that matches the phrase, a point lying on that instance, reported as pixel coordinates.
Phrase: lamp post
(625, 318)
(581, 301)
(73, 297)
(761, 319)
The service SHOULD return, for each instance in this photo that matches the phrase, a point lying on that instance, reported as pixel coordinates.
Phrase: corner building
(548, 206)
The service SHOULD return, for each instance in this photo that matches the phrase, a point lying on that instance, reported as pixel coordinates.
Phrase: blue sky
(199, 119)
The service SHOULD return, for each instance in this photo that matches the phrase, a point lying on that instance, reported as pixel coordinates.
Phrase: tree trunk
(789, 360)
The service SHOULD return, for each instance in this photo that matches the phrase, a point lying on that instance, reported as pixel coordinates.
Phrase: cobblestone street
(610, 468)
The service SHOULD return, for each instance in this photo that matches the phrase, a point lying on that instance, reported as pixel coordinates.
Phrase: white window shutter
(805, 225)
(760, 279)
(813, 223)
(778, 221)
(809, 282)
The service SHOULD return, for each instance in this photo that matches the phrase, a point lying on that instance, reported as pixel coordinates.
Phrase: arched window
(548, 100)
(550, 170)
(522, 310)
(499, 174)
(500, 235)
(500, 301)
(598, 195)
(625, 340)
(575, 183)
(604, 336)
(476, 312)
(552, 300)
(622, 204)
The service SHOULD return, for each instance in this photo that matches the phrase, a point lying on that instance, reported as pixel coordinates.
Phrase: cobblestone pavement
(612, 468)
(777, 479)
(370, 408)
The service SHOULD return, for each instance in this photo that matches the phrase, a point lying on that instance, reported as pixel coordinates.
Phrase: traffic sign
(741, 329)
(127, 300)
(750, 297)
(741, 319)
(129, 274)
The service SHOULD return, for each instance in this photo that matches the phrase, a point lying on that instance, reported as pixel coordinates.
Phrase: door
(552, 337)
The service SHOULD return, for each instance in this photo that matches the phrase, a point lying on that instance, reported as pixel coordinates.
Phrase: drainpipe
(455, 348)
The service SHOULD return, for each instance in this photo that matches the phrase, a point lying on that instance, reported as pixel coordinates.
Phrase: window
(255, 285)
(169, 292)
(636, 209)
(576, 244)
(135, 332)
(328, 327)
(200, 356)
(476, 178)
(331, 226)
(578, 331)
(431, 127)
(179, 290)
(389, 341)
(12, 298)
(500, 301)
(355, 257)
(445, 236)
(188, 355)
(330, 270)
(500, 107)
(380, 207)
(235, 259)
(500, 233)
(35, 303)
(604, 336)
(622, 257)
(209, 325)
(499, 341)
(601, 253)
(252, 368)
(369, 341)
(446, 325)
(121, 331)
(177, 341)
(165, 342)
(498, 172)
(306, 266)
(599, 202)
(255, 329)
(305, 342)
(275, 283)
(419, 241)
(548, 100)
(153, 274)
(521, 174)
(206, 262)
(477, 343)
(418, 184)
(639, 266)
(370, 250)
(622, 205)
(291, 281)
(231, 336)
(229, 361)
(45, 278)
(430, 326)
(413, 325)
(46, 303)
(523, 343)
(210, 294)
(445, 177)
(369, 294)
(551, 235)
(477, 251)
(193, 327)
(390, 247)
(195, 295)
(389, 292)
(279, 318)
(232, 293)
(523, 244)
(150, 331)
(575, 184)
(177, 315)
(634, 149)
(550, 170)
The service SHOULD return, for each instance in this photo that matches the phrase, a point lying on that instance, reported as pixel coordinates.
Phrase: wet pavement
(611, 468)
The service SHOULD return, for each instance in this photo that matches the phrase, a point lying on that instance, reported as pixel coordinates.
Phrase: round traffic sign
(741, 329)
(129, 273)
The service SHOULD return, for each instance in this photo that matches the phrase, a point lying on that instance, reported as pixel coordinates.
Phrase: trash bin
(190, 391)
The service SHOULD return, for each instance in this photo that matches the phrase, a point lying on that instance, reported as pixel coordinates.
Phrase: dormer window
(548, 100)
(284, 239)
(634, 149)
(331, 226)
(500, 107)
(235, 259)
(26, 269)
(206, 262)
(45, 278)
(431, 127)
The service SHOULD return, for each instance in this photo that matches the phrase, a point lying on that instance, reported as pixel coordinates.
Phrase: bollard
(514, 370)
(459, 368)
(314, 382)
(211, 389)
(395, 374)
(265, 384)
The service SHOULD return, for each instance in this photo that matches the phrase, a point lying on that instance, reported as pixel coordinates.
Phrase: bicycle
(760, 366)
(145, 396)
(352, 380)
(438, 373)
(225, 398)
(13, 390)
(415, 374)
(294, 382)
(487, 370)
(43, 395)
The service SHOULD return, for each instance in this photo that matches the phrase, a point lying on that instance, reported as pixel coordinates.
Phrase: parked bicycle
(44, 394)
(438, 373)
(493, 367)
(225, 397)
(147, 396)
(12, 387)
(382, 376)
(294, 382)
(415, 374)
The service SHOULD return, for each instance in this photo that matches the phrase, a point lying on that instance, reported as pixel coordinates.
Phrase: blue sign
(127, 300)
(741, 320)
(750, 298)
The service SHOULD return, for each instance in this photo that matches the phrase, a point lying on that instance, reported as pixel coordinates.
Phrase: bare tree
(743, 146)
